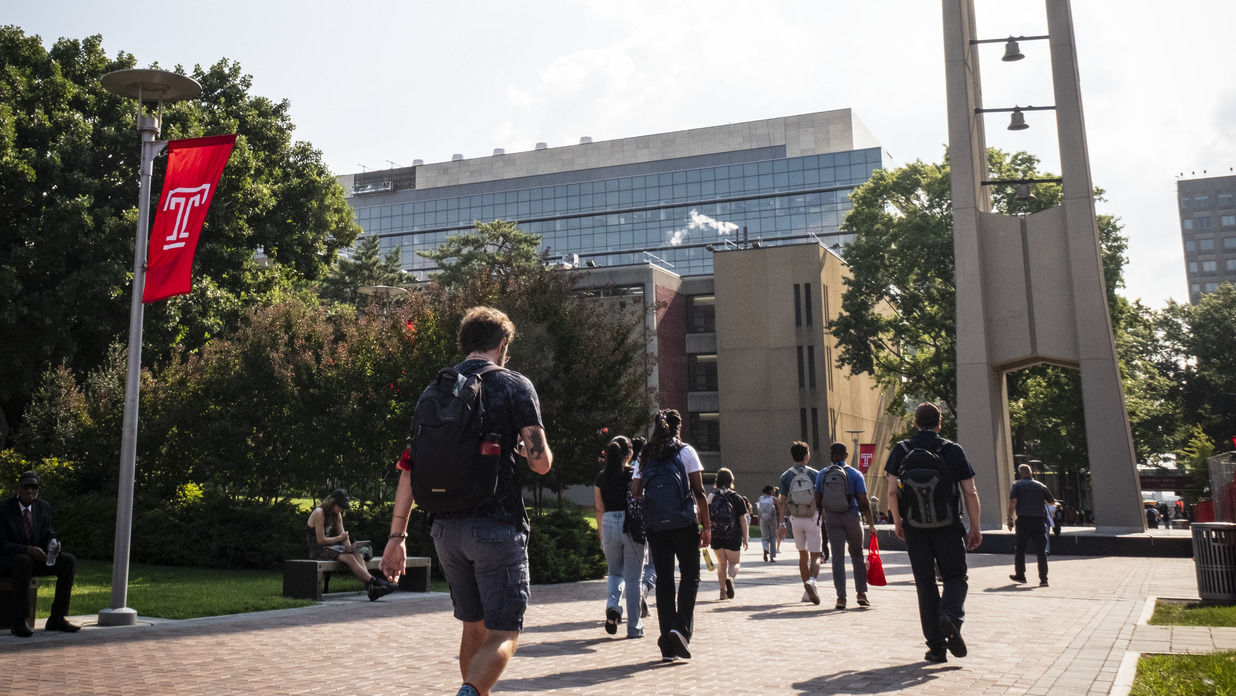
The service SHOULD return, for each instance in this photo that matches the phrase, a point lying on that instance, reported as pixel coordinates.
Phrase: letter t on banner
(193, 170)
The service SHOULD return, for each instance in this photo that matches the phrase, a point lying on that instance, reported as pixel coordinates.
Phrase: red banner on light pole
(866, 453)
(193, 170)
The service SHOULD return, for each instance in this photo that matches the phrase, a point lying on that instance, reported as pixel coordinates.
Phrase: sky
(376, 85)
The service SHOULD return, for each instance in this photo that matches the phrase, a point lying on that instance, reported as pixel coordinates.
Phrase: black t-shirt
(614, 489)
(951, 454)
(511, 404)
(1032, 498)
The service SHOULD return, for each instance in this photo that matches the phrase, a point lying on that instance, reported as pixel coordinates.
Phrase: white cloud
(701, 223)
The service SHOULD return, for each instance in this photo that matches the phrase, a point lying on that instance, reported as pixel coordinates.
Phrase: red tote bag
(875, 567)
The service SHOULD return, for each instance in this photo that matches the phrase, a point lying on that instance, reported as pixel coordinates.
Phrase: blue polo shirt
(856, 485)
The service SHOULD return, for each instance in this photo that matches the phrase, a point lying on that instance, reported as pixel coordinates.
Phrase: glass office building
(664, 198)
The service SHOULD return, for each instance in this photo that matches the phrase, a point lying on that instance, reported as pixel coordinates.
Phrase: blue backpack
(668, 501)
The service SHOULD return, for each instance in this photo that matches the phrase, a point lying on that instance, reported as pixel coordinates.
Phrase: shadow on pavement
(587, 677)
(895, 678)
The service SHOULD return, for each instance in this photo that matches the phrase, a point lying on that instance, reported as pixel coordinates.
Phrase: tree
(1202, 362)
(497, 248)
(68, 157)
(899, 310)
(366, 268)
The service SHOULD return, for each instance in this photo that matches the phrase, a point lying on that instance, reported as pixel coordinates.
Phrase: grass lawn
(1210, 674)
(1167, 613)
(170, 592)
(1213, 674)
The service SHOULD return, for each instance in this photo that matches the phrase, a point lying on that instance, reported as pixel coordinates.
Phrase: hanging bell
(1012, 52)
(1018, 122)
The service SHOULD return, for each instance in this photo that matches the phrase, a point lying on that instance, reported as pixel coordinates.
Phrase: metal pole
(119, 614)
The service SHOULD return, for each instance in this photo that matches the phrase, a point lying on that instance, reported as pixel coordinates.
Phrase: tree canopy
(68, 168)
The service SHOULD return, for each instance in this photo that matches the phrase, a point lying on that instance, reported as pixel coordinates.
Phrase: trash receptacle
(1214, 554)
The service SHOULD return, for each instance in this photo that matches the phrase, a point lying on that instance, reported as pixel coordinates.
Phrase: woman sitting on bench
(329, 541)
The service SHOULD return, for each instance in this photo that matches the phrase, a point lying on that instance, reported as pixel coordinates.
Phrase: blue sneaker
(468, 690)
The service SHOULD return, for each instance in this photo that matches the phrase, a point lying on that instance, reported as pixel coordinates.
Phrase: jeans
(683, 545)
(845, 528)
(1030, 529)
(768, 536)
(945, 547)
(626, 563)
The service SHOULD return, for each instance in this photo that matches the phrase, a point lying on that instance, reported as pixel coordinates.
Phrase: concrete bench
(6, 603)
(307, 579)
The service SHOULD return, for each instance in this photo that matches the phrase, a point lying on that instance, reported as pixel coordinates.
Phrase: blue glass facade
(670, 209)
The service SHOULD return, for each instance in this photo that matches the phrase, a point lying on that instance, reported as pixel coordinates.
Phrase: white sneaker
(812, 595)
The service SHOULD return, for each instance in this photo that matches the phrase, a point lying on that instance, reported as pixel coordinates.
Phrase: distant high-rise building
(1208, 230)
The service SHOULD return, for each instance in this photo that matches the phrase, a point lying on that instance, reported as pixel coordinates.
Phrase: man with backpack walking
(460, 466)
(669, 478)
(1031, 500)
(798, 484)
(927, 479)
(841, 497)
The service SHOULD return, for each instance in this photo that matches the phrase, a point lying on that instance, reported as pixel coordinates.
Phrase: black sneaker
(1043, 582)
(952, 637)
(611, 621)
(667, 653)
(729, 588)
(378, 588)
(936, 656)
(1017, 578)
(678, 642)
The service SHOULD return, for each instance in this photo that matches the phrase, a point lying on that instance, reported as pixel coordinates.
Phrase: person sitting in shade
(329, 541)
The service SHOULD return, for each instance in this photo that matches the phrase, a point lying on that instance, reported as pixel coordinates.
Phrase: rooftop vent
(499, 151)
(456, 157)
(585, 140)
(541, 146)
(417, 162)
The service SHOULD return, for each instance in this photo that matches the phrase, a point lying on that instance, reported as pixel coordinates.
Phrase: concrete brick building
(1208, 232)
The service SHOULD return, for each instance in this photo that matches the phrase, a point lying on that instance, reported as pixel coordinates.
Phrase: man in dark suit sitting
(25, 532)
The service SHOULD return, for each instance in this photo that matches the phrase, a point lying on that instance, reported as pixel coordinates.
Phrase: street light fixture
(158, 86)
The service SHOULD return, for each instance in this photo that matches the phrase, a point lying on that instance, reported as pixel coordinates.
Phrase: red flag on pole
(193, 170)
(866, 453)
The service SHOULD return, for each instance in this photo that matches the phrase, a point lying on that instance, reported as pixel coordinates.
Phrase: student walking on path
(624, 556)
(798, 486)
(669, 477)
(1030, 499)
(727, 513)
(841, 497)
(927, 477)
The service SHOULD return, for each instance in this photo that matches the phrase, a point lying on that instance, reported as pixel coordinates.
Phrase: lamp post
(159, 86)
(385, 292)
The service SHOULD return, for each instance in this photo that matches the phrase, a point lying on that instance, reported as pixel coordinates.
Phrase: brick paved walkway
(1070, 638)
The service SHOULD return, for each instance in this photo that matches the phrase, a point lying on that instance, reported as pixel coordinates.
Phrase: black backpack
(928, 497)
(721, 515)
(668, 501)
(454, 459)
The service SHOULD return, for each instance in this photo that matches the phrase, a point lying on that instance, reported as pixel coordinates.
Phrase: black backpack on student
(928, 497)
(668, 501)
(454, 459)
(725, 528)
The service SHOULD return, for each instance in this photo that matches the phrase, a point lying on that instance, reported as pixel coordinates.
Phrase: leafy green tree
(365, 268)
(899, 310)
(1202, 362)
(497, 248)
(68, 160)
(1197, 448)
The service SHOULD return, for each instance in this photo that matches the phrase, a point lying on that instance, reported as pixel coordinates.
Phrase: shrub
(564, 548)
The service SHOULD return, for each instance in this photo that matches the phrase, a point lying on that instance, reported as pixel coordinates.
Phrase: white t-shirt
(690, 461)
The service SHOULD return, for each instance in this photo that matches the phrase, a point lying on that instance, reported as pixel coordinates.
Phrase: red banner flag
(866, 453)
(193, 170)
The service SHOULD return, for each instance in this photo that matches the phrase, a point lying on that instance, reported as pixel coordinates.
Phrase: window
(1209, 266)
(1190, 245)
(1229, 242)
(1195, 288)
(802, 422)
(1227, 220)
(1230, 265)
(1203, 223)
(807, 302)
(811, 366)
(800, 367)
(702, 372)
(701, 314)
(815, 430)
(798, 306)
(706, 432)
(1187, 223)
(1206, 244)
(1210, 287)
(1201, 201)
(1225, 200)
(1192, 267)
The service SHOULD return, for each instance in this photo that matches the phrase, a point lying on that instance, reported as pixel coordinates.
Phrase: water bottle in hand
(53, 551)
